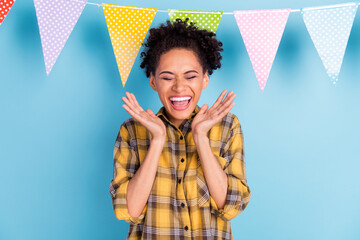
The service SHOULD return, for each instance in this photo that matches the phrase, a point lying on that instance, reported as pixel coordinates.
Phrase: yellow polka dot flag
(127, 28)
(208, 20)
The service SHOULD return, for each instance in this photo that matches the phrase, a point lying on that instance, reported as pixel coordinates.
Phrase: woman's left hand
(205, 120)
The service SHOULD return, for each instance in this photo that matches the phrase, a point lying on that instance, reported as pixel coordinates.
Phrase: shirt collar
(163, 113)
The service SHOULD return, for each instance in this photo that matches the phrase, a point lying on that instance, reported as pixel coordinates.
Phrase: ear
(205, 80)
(152, 82)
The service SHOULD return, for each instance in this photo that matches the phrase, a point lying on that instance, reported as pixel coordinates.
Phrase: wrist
(158, 140)
(200, 138)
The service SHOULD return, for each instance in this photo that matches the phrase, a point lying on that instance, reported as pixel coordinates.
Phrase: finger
(136, 102)
(128, 95)
(203, 108)
(150, 112)
(131, 112)
(130, 105)
(222, 107)
(217, 102)
(228, 96)
(229, 99)
(141, 118)
(224, 112)
(229, 108)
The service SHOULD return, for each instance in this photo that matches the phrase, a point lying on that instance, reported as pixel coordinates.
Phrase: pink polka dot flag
(261, 31)
(5, 6)
(127, 28)
(56, 21)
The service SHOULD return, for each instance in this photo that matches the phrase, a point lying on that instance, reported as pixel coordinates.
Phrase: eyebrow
(172, 73)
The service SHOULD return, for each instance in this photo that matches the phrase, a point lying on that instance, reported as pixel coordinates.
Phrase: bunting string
(329, 27)
(231, 13)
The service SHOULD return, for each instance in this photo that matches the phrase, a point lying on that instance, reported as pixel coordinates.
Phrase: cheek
(197, 88)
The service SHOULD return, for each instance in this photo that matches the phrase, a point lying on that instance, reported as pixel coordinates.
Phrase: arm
(215, 177)
(140, 185)
(229, 192)
(131, 185)
(230, 195)
(238, 191)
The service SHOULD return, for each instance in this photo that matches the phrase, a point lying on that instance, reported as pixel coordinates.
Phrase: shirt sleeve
(126, 162)
(238, 192)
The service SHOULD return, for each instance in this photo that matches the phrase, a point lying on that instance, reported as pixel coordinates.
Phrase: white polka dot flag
(262, 31)
(56, 20)
(5, 6)
(127, 28)
(329, 30)
(208, 20)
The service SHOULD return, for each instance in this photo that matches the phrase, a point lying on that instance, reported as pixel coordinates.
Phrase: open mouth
(180, 103)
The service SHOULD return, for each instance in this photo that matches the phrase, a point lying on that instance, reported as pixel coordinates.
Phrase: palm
(205, 120)
(147, 118)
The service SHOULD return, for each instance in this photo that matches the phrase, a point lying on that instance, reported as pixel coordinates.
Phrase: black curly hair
(180, 34)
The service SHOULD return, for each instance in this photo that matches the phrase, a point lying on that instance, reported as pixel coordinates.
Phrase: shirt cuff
(238, 196)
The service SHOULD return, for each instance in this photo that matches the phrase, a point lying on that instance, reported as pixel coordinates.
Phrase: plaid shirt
(180, 205)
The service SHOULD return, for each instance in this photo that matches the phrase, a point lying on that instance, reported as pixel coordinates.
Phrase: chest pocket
(203, 193)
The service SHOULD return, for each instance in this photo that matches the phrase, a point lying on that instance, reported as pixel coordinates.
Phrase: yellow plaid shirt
(179, 205)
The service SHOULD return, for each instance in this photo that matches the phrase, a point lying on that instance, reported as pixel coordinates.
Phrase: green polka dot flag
(208, 20)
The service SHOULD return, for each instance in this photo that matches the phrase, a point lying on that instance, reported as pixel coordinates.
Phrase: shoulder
(230, 126)
(133, 128)
(225, 128)
(129, 123)
(230, 121)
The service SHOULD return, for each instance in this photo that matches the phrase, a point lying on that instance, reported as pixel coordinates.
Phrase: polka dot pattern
(329, 30)
(5, 6)
(56, 21)
(127, 28)
(208, 20)
(261, 31)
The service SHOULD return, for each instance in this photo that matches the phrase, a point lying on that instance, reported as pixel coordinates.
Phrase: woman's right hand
(147, 118)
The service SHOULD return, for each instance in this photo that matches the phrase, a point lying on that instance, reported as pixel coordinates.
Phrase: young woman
(180, 174)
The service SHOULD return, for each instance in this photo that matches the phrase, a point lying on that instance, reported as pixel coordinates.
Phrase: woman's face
(179, 80)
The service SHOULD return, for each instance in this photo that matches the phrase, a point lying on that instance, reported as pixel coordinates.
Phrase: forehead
(178, 59)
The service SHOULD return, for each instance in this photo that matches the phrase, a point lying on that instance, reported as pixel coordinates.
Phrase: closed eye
(186, 78)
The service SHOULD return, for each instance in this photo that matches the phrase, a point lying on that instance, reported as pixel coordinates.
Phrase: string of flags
(261, 30)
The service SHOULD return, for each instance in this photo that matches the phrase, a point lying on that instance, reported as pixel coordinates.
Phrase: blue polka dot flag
(329, 29)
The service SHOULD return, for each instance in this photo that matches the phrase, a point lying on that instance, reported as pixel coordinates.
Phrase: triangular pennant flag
(56, 21)
(5, 6)
(329, 30)
(261, 31)
(208, 20)
(127, 28)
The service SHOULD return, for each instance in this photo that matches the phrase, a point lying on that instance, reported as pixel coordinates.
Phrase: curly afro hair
(180, 34)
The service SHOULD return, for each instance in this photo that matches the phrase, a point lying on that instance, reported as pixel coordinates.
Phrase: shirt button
(182, 160)
(182, 205)
(179, 180)
(181, 137)
(186, 228)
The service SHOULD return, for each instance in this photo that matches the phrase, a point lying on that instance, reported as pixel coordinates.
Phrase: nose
(180, 84)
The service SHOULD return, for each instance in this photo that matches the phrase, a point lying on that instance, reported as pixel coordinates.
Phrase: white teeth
(179, 99)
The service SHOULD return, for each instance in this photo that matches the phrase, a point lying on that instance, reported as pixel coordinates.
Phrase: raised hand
(205, 120)
(147, 118)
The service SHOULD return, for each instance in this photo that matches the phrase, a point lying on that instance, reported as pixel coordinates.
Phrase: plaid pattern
(180, 209)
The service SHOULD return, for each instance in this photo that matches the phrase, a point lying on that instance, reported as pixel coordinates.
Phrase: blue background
(58, 132)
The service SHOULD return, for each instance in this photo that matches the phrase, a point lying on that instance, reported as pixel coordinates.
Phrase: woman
(180, 174)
